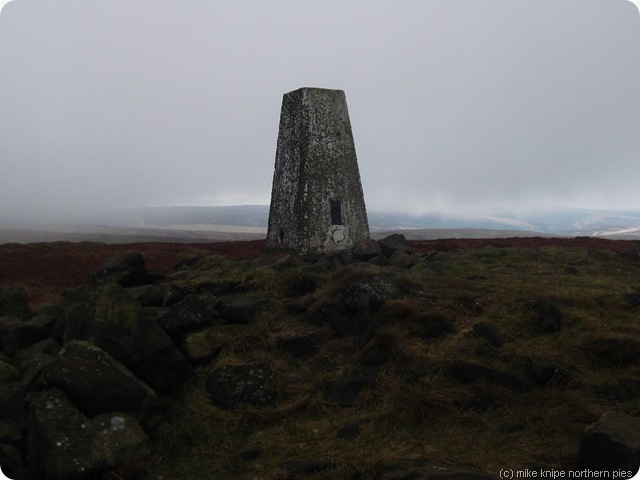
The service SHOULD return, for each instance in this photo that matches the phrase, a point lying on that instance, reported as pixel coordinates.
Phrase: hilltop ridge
(383, 363)
(246, 222)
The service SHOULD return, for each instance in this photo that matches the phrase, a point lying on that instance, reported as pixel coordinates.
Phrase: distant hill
(244, 222)
(558, 221)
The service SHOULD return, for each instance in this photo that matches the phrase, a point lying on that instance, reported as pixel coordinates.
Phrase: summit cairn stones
(317, 204)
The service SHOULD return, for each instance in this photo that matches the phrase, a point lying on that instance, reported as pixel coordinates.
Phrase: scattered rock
(392, 243)
(203, 345)
(190, 313)
(612, 443)
(24, 334)
(173, 294)
(240, 309)
(127, 269)
(66, 445)
(48, 346)
(380, 261)
(151, 295)
(8, 373)
(252, 384)
(401, 259)
(96, 383)
(371, 292)
(117, 325)
(366, 250)
(34, 371)
(14, 302)
(12, 413)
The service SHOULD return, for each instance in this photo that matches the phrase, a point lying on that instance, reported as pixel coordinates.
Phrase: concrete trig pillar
(317, 203)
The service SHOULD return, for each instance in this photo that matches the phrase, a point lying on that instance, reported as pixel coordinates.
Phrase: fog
(456, 105)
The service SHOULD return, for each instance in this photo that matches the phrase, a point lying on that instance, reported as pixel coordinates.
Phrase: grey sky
(455, 104)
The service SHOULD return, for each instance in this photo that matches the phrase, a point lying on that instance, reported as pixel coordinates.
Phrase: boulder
(127, 269)
(151, 295)
(240, 309)
(380, 261)
(12, 413)
(65, 445)
(366, 250)
(48, 346)
(8, 373)
(232, 385)
(119, 438)
(116, 323)
(612, 443)
(34, 371)
(392, 243)
(14, 302)
(96, 383)
(188, 314)
(371, 292)
(401, 259)
(24, 334)
(203, 345)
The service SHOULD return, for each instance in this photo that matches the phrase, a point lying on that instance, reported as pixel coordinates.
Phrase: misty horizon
(456, 107)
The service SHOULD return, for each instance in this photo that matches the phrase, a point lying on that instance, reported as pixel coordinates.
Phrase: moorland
(482, 353)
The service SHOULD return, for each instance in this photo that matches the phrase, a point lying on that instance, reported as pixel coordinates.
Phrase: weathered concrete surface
(317, 204)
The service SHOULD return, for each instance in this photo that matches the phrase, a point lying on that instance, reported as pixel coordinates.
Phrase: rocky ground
(46, 269)
(431, 359)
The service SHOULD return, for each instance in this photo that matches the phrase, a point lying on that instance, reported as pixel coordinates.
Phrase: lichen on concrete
(317, 204)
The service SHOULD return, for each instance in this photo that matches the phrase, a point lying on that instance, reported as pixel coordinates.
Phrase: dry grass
(414, 408)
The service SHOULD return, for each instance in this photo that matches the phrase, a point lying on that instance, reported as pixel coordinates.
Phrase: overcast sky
(455, 104)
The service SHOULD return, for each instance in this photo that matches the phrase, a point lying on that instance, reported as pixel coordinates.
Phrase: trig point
(317, 203)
